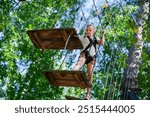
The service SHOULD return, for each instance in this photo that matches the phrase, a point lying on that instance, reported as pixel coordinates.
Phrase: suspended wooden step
(55, 38)
(72, 98)
(67, 78)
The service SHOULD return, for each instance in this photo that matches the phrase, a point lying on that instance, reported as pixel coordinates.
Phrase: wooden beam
(64, 35)
(39, 42)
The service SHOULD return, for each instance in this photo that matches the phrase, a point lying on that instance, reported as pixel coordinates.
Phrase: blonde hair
(92, 26)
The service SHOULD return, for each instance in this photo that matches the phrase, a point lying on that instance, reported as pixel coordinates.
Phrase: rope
(100, 23)
(65, 49)
(120, 83)
(106, 81)
(112, 76)
(68, 40)
(113, 92)
(122, 76)
(127, 83)
(63, 60)
(108, 70)
(113, 64)
(52, 59)
(116, 80)
(83, 15)
(65, 45)
(97, 26)
(70, 36)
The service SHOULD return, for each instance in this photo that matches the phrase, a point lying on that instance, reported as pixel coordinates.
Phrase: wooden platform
(55, 38)
(67, 78)
(72, 98)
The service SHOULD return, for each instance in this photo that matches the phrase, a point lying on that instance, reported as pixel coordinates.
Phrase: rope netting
(107, 65)
(108, 74)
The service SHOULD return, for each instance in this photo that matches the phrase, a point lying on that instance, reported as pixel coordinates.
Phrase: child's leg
(80, 63)
(90, 67)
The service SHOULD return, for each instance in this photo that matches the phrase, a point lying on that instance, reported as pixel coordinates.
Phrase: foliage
(22, 65)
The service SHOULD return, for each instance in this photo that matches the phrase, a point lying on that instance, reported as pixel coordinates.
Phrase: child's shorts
(87, 57)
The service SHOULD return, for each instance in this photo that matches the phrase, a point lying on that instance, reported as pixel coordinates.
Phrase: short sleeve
(96, 40)
(81, 37)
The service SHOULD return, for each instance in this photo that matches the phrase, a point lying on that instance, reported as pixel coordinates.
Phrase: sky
(87, 9)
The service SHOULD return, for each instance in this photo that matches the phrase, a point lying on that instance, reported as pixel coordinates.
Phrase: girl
(87, 55)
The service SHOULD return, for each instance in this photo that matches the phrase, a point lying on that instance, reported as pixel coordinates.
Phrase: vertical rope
(83, 15)
(63, 60)
(100, 23)
(106, 81)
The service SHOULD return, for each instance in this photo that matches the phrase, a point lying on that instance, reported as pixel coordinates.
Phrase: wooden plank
(67, 78)
(33, 39)
(38, 41)
(79, 81)
(52, 81)
(73, 98)
(84, 79)
(64, 35)
(55, 38)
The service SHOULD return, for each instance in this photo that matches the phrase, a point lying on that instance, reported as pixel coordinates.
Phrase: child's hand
(103, 31)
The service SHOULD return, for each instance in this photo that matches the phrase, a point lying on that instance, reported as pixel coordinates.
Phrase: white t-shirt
(85, 41)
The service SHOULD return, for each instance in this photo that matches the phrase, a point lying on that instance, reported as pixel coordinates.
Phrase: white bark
(130, 82)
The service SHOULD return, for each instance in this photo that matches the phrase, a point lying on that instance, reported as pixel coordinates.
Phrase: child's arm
(101, 41)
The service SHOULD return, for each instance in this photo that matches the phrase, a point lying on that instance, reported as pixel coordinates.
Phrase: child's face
(90, 31)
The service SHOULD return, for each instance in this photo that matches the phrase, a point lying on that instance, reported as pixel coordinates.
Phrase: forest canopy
(22, 64)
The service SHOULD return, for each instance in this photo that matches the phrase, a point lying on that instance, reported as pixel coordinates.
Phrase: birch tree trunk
(129, 84)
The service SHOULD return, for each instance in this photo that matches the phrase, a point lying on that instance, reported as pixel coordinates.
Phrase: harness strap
(92, 42)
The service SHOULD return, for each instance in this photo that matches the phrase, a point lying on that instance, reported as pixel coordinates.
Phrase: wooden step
(55, 38)
(73, 98)
(67, 78)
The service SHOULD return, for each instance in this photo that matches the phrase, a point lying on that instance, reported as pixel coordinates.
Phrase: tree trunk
(130, 80)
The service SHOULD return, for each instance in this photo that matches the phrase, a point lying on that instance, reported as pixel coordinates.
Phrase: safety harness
(93, 42)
